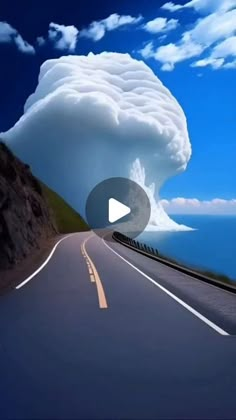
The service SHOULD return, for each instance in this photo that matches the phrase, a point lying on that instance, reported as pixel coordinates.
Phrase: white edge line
(180, 301)
(45, 262)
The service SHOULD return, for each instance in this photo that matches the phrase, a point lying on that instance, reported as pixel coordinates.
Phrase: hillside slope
(66, 218)
(30, 213)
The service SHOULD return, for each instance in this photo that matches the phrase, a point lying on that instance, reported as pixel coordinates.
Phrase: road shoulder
(9, 279)
(212, 302)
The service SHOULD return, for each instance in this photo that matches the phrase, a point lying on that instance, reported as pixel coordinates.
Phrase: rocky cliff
(25, 217)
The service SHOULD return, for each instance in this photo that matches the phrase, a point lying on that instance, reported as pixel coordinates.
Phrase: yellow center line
(94, 277)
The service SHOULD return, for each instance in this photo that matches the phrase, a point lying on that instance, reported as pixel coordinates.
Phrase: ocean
(212, 246)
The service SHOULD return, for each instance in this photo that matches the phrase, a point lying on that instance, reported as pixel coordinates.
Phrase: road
(102, 332)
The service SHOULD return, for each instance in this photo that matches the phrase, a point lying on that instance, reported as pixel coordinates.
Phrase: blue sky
(190, 45)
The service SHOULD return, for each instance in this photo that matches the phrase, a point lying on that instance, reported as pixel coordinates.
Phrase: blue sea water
(212, 246)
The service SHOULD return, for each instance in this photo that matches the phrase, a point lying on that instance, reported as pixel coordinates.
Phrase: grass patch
(66, 218)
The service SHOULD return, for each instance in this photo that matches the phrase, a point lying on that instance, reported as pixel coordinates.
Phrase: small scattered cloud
(9, 35)
(220, 53)
(167, 67)
(147, 51)
(214, 33)
(61, 37)
(160, 25)
(41, 41)
(230, 65)
(171, 54)
(225, 48)
(97, 29)
(216, 206)
(214, 28)
(215, 63)
(204, 6)
(171, 7)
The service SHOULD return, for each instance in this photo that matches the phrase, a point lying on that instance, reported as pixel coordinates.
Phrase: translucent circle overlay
(126, 192)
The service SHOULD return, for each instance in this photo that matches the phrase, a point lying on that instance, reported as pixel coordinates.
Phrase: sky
(191, 47)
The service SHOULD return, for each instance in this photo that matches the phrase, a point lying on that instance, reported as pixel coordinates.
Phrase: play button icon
(118, 204)
(117, 210)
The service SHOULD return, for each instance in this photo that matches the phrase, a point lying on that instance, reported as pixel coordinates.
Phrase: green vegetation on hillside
(66, 218)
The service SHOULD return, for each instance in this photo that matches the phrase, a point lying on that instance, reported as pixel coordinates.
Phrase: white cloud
(171, 54)
(215, 63)
(216, 29)
(202, 5)
(91, 117)
(8, 34)
(114, 21)
(23, 45)
(225, 48)
(213, 28)
(171, 7)
(62, 37)
(167, 67)
(220, 52)
(147, 51)
(97, 29)
(160, 24)
(194, 206)
(41, 41)
(230, 65)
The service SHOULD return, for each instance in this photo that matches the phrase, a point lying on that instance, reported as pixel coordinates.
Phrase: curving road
(102, 332)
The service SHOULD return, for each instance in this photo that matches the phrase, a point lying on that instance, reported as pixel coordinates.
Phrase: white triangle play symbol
(117, 210)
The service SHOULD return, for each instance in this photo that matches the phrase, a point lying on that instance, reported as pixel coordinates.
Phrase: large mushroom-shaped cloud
(91, 117)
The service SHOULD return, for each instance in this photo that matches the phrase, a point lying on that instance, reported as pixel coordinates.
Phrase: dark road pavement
(102, 332)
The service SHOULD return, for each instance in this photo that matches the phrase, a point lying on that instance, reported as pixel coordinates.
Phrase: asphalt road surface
(102, 332)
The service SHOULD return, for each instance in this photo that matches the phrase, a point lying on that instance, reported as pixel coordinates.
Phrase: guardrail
(153, 254)
(138, 246)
